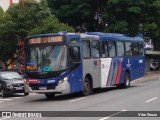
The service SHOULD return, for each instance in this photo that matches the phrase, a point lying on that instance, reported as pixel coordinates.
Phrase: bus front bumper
(63, 88)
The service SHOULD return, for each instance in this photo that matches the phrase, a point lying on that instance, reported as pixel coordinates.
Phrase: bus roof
(49, 34)
(81, 35)
(94, 35)
(115, 36)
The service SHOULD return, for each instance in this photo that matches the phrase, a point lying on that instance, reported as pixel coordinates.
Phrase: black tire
(86, 87)
(126, 83)
(26, 94)
(126, 80)
(50, 95)
(3, 94)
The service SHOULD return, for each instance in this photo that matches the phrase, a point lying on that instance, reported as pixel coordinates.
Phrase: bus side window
(120, 49)
(95, 49)
(128, 48)
(86, 49)
(112, 49)
(104, 52)
(135, 48)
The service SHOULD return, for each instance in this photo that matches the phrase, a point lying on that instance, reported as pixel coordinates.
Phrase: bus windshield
(46, 58)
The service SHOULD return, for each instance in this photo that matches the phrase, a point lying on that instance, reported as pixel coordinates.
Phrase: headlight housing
(63, 80)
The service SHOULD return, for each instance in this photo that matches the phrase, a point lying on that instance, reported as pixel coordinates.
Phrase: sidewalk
(149, 76)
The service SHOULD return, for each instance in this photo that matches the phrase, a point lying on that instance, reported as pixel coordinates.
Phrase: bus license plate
(43, 88)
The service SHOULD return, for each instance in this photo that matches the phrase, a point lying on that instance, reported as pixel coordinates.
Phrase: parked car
(10, 83)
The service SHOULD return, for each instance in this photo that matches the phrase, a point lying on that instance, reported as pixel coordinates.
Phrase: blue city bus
(63, 63)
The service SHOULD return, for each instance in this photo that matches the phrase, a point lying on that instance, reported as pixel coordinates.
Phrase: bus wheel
(50, 95)
(86, 87)
(126, 83)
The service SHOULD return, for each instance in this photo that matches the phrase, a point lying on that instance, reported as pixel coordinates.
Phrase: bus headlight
(63, 80)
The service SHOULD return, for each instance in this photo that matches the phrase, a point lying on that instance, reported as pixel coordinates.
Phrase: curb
(148, 76)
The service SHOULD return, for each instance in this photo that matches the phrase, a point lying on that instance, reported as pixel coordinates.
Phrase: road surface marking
(5, 118)
(157, 82)
(16, 97)
(5, 99)
(1, 101)
(112, 115)
(33, 94)
(151, 99)
(77, 99)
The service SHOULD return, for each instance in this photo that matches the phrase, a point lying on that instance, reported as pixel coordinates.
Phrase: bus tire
(86, 87)
(126, 83)
(50, 95)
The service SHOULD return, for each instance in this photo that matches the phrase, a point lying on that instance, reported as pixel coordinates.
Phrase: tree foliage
(51, 25)
(123, 16)
(23, 19)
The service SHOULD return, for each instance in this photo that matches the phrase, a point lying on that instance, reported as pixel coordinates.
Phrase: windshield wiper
(6, 79)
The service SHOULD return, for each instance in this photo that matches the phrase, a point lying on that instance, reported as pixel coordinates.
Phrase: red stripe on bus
(119, 72)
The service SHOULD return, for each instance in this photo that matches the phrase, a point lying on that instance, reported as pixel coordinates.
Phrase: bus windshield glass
(46, 58)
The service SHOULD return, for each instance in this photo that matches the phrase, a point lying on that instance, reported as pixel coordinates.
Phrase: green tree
(51, 25)
(99, 15)
(17, 22)
(1, 14)
(151, 23)
(123, 16)
(77, 13)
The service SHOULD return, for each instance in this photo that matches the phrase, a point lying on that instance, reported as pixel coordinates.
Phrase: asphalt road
(142, 96)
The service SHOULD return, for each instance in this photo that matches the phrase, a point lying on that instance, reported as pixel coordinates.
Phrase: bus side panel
(75, 79)
(125, 65)
(92, 67)
(111, 71)
(105, 69)
(137, 67)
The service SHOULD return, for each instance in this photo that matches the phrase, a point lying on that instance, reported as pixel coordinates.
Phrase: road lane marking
(151, 99)
(16, 97)
(5, 99)
(157, 82)
(112, 115)
(5, 118)
(77, 99)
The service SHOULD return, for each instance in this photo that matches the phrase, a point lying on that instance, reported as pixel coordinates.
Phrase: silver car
(10, 83)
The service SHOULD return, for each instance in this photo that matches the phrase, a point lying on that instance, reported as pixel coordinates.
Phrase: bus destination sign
(51, 39)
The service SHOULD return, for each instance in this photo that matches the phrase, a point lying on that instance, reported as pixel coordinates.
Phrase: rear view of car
(10, 83)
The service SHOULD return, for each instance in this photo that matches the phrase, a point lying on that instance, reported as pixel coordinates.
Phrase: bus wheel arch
(87, 85)
(127, 80)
